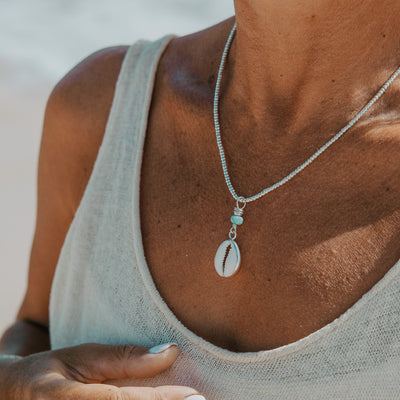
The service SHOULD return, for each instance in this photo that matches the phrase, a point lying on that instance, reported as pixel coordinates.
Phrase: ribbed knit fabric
(103, 291)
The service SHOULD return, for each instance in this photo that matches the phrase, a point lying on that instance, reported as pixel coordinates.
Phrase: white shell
(227, 259)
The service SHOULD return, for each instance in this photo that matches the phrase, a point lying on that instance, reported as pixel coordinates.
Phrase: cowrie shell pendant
(227, 259)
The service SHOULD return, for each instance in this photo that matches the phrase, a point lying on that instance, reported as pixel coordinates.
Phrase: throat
(301, 58)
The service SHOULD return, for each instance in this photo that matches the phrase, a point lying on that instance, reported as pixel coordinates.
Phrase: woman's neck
(311, 55)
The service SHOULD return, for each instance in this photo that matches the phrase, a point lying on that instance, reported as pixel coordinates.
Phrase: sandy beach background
(39, 42)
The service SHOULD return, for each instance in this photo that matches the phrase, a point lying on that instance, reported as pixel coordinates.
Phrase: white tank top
(103, 291)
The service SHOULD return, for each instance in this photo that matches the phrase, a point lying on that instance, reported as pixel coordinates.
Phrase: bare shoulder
(95, 75)
(77, 113)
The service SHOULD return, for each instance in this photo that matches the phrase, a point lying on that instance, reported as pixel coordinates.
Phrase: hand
(80, 372)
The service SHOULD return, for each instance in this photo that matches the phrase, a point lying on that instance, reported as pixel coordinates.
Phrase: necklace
(227, 259)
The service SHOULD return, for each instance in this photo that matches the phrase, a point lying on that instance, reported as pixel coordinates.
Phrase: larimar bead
(237, 220)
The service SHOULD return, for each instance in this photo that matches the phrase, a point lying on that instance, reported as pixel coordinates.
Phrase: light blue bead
(237, 220)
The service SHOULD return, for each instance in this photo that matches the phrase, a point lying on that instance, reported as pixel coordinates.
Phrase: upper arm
(74, 125)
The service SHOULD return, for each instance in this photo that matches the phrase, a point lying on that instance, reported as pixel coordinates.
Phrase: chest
(309, 250)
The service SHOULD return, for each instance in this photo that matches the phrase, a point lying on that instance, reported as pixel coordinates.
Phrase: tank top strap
(133, 92)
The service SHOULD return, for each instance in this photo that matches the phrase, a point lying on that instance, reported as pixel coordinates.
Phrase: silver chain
(302, 166)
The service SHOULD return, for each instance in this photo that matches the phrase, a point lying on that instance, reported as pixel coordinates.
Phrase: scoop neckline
(151, 288)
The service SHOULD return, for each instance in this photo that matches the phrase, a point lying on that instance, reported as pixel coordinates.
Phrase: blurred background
(40, 40)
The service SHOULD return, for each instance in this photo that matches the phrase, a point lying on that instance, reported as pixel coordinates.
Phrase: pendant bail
(237, 218)
(240, 208)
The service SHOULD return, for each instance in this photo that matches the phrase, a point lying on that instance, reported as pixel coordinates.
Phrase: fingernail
(195, 397)
(161, 347)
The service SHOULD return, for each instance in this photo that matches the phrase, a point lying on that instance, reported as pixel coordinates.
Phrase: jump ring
(239, 200)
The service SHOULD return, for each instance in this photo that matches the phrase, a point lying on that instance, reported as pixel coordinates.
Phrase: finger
(63, 389)
(98, 391)
(94, 363)
(165, 392)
